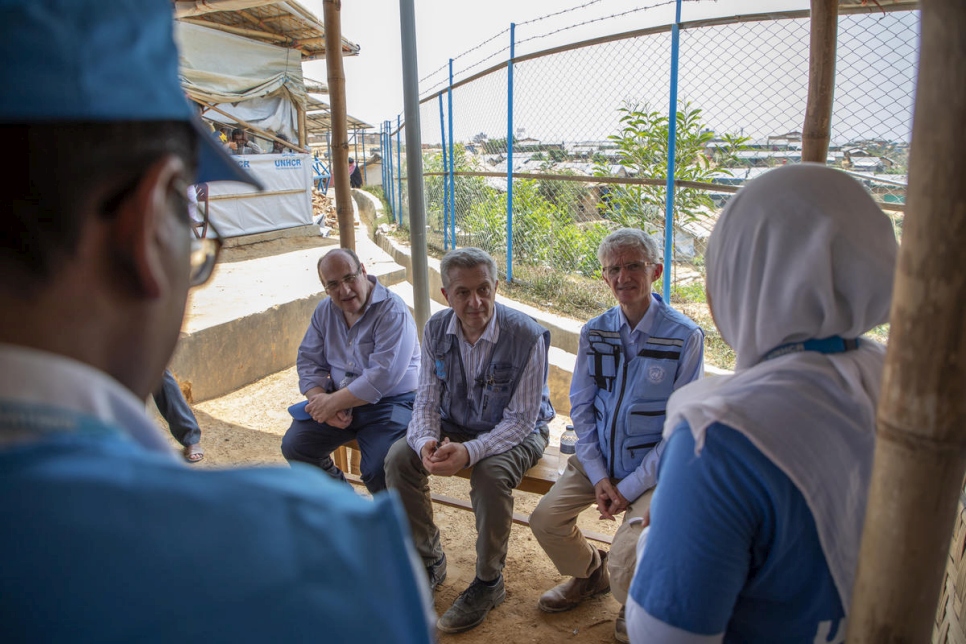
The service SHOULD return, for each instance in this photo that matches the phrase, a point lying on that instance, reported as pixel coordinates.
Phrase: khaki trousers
(554, 524)
(491, 494)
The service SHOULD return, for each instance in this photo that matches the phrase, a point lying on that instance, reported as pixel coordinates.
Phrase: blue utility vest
(479, 408)
(632, 392)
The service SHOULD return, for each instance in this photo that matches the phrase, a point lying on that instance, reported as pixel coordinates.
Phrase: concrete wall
(217, 360)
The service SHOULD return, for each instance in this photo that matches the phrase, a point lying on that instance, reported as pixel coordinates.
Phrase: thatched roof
(283, 23)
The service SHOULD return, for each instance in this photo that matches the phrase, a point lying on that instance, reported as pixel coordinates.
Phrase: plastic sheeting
(237, 209)
(218, 67)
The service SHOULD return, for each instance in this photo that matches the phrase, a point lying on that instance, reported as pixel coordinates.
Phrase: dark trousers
(175, 410)
(375, 427)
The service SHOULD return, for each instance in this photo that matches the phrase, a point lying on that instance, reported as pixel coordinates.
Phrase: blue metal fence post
(399, 165)
(442, 134)
(671, 140)
(452, 162)
(509, 157)
(385, 166)
(392, 178)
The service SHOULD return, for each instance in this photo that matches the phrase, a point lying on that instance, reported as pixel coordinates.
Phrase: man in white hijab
(757, 517)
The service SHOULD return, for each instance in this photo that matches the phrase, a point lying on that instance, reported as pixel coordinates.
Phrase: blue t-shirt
(104, 541)
(733, 549)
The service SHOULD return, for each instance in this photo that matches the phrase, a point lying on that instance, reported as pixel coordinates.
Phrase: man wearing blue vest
(482, 402)
(107, 537)
(629, 361)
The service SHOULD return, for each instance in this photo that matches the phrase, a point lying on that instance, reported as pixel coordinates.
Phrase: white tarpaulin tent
(238, 209)
(254, 81)
(260, 84)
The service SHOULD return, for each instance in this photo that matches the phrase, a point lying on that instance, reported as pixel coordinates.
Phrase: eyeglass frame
(348, 280)
(611, 272)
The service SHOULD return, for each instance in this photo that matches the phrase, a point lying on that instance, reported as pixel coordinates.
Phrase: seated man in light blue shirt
(107, 536)
(629, 360)
(358, 366)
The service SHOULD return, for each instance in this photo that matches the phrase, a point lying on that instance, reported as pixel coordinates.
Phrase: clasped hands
(610, 502)
(323, 410)
(444, 458)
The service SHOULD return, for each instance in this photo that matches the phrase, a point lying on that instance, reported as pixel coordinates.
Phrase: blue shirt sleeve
(697, 554)
(582, 393)
(732, 548)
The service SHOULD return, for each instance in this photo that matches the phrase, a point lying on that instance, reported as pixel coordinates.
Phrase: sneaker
(572, 592)
(620, 628)
(470, 608)
(436, 573)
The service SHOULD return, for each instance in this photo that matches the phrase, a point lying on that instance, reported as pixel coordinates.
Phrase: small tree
(642, 148)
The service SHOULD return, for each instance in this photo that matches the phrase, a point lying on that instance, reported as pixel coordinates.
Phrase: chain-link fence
(536, 163)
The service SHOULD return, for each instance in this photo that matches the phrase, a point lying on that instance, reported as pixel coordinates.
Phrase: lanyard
(833, 344)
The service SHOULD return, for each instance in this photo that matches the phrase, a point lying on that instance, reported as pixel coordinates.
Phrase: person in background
(278, 148)
(482, 402)
(241, 145)
(630, 359)
(761, 495)
(108, 537)
(355, 174)
(181, 420)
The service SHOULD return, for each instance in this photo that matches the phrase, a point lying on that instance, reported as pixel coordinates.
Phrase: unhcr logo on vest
(288, 164)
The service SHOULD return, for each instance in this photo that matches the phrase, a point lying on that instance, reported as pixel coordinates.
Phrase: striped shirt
(519, 417)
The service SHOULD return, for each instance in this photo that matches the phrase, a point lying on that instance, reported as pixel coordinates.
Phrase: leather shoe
(470, 608)
(569, 594)
(436, 573)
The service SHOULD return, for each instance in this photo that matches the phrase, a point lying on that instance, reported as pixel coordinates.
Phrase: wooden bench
(538, 480)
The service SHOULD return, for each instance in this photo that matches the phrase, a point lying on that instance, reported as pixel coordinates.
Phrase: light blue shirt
(381, 350)
(106, 540)
(583, 390)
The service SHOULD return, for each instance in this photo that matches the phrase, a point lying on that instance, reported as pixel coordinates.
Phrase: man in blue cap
(107, 537)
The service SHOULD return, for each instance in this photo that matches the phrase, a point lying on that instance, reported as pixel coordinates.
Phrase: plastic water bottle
(568, 446)
(349, 377)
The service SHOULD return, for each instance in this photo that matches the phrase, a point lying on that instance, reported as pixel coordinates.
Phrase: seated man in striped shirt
(482, 402)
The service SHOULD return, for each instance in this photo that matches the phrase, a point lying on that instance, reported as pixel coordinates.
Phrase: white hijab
(801, 253)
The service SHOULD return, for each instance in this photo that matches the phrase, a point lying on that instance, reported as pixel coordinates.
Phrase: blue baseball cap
(99, 60)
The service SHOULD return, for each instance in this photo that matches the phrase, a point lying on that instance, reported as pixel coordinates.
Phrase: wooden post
(339, 161)
(821, 80)
(921, 445)
(303, 126)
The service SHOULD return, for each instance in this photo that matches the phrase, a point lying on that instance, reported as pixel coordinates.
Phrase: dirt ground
(245, 428)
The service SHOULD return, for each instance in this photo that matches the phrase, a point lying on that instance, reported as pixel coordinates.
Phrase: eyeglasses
(204, 254)
(345, 281)
(611, 272)
(206, 243)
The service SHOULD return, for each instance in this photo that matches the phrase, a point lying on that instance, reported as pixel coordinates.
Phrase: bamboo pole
(303, 125)
(821, 80)
(921, 445)
(339, 161)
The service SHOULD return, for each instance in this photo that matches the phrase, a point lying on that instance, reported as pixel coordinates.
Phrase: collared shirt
(41, 378)
(583, 390)
(380, 350)
(97, 519)
(519, 417)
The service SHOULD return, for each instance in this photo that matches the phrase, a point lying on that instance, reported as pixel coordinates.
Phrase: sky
(447, 28)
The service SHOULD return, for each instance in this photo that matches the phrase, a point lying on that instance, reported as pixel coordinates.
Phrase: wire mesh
(589, 143)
